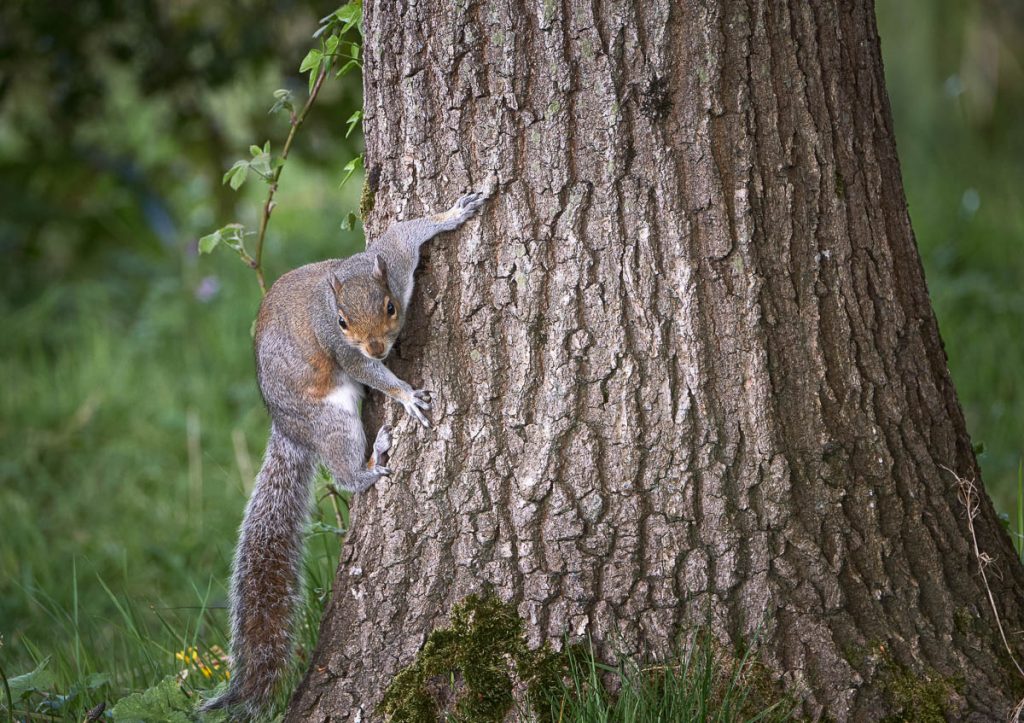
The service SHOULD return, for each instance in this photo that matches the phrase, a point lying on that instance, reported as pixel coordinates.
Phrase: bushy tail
(266, 583)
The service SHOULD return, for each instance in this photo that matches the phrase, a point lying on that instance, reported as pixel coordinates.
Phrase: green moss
(587, 49)
(475, 663)
(923, 697)
(920, 698)
(840, 185)
(367, 199)
(549, 10)
(964, 619)
(860, 655)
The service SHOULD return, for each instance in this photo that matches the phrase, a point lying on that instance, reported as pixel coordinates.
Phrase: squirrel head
(369, 314)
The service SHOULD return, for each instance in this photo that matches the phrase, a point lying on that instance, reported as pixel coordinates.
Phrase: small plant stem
(268, 205)
(10, 698)
(337, 512)
(969, 497)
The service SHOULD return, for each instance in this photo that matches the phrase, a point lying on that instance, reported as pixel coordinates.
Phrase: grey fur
(311, 377)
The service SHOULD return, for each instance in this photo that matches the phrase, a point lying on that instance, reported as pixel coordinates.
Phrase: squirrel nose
(376, 348)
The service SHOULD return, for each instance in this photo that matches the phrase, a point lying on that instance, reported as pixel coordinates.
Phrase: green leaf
(354, 50)
(165, 701)
(318, 527)
(331, 45)
(236, 175)
(261, 163)
(347, 67)
(231, 236)
(92, 681)
(312, 60)
(255, 150)
(209, 242)
(40, 679)
(349, 12)
(283, 100)
(353, 121)
(351, 167)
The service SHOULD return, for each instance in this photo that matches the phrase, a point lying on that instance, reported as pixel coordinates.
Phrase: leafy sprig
(336, 51)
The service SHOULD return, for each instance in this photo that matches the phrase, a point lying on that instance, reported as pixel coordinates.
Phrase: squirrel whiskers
(322, 333)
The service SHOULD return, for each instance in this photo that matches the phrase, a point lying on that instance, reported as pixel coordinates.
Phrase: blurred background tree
(130, 422)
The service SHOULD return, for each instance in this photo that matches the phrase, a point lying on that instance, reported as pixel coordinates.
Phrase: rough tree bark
(686, 362)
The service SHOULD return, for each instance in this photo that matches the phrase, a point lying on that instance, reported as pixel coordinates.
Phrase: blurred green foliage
(120, 117)
(130, 422)
(955, 75)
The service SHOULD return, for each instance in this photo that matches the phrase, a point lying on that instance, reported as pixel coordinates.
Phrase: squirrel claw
(471, 200)
(422, 399)
(463, 209)
(416, 412)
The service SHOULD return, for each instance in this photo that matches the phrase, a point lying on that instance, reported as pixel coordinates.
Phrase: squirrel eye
(342, 324)
(391, 308)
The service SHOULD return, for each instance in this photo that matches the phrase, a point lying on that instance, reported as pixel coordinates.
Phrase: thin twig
(268, 205)
(969, 496)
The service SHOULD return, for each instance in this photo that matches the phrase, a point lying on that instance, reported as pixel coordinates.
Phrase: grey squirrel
(322, 333)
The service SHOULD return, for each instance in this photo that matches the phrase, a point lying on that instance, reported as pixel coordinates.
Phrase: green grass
(128, 444)
(130, 430)
(701, 685)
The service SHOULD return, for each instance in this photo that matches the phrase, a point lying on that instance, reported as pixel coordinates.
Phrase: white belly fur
(346, 396)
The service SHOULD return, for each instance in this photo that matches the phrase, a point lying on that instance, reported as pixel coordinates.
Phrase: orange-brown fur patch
(321, 375)
(365, 329)
(262, 319)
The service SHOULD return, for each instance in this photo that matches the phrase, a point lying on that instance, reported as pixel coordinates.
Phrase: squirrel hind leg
(381, 448)
(343, 452)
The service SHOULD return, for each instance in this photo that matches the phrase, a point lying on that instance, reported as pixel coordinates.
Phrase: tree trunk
(687, 366)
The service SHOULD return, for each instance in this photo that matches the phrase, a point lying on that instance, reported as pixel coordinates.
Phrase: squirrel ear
(335, 286)
(380, 269)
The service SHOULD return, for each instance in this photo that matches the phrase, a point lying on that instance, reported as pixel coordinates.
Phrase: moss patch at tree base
(473, 667)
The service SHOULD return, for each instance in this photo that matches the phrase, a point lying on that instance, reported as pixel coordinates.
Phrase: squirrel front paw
(418, 400)
(463, 210)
